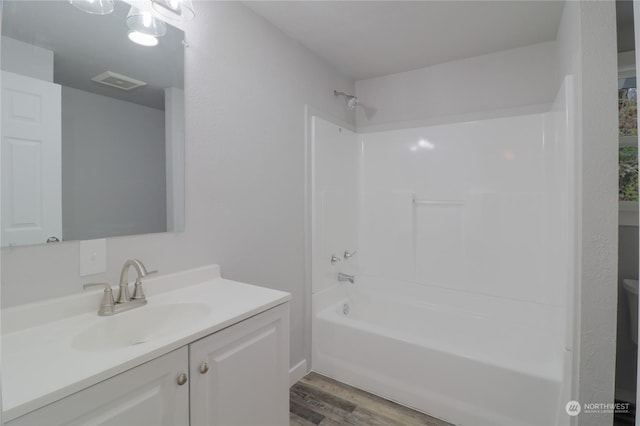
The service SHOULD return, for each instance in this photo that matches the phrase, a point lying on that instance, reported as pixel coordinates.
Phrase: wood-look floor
(319, 400)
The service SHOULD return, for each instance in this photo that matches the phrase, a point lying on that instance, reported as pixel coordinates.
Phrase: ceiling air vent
(118, 80)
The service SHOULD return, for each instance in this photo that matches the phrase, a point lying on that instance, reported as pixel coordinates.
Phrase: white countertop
(40, 365)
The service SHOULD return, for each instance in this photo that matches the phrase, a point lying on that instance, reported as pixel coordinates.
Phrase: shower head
(352, 101)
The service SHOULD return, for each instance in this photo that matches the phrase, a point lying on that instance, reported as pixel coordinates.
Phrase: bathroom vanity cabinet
(235, 376)
(145, 395)
(240, 375)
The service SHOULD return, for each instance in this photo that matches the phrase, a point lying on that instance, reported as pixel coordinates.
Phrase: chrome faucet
(123, 295)
(124, 302)
(345, 277)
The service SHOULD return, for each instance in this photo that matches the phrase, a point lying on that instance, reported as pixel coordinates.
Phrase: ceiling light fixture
(95, 7)
(174, 9)
(142, 22)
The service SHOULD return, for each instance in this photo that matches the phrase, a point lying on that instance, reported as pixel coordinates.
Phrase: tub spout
(345, 277)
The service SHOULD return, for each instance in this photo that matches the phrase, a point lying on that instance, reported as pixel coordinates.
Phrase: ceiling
(86, 45)
(365, 39)
(362, 39)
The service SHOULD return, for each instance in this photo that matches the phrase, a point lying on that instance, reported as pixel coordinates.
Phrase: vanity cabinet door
(145, 395)
(240, 375)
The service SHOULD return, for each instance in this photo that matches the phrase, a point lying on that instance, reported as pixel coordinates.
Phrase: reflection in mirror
(92, 126)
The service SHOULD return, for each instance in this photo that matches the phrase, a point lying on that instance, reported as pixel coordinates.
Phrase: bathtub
(450, 354)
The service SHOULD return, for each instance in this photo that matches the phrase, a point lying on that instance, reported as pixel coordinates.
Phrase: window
(628, 173)
(627, 107)
(628, 148)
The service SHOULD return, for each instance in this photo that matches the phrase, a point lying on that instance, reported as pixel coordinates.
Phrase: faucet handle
(138, 293)
(106, 286)
(107, 304)
(349, 254)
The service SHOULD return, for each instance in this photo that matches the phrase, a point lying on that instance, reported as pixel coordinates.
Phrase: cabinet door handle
(182, 379)
(204, 368)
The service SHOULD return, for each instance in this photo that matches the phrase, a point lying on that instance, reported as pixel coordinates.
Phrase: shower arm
(352, 101)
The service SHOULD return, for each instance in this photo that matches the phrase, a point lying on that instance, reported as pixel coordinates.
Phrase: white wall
(113, 167)
(246, 85)
(174, 135)
(26, 59)
(599, 205)
(587, 51)
(251, 111)
(481, 87)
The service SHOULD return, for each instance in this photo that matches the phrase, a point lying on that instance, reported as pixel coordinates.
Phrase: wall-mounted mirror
(84, 154)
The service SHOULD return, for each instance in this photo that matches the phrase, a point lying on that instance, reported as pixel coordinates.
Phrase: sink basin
(138, 326)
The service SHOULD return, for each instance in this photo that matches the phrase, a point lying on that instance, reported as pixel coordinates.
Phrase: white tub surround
(42, 362)
(462, 277)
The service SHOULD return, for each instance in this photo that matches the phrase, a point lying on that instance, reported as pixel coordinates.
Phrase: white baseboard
(297, 372)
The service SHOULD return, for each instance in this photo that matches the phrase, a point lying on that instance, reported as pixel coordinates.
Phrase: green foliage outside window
(627, 112)
(628, 174)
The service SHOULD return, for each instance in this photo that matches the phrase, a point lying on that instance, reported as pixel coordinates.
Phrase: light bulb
(143, 39)
(146, 20)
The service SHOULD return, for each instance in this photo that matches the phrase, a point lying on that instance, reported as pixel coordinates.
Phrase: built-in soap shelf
(430, 202)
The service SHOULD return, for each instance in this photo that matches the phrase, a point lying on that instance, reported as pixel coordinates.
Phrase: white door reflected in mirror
(31, 160)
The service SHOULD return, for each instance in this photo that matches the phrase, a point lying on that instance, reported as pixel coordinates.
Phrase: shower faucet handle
(349, 254)
(334, 259)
